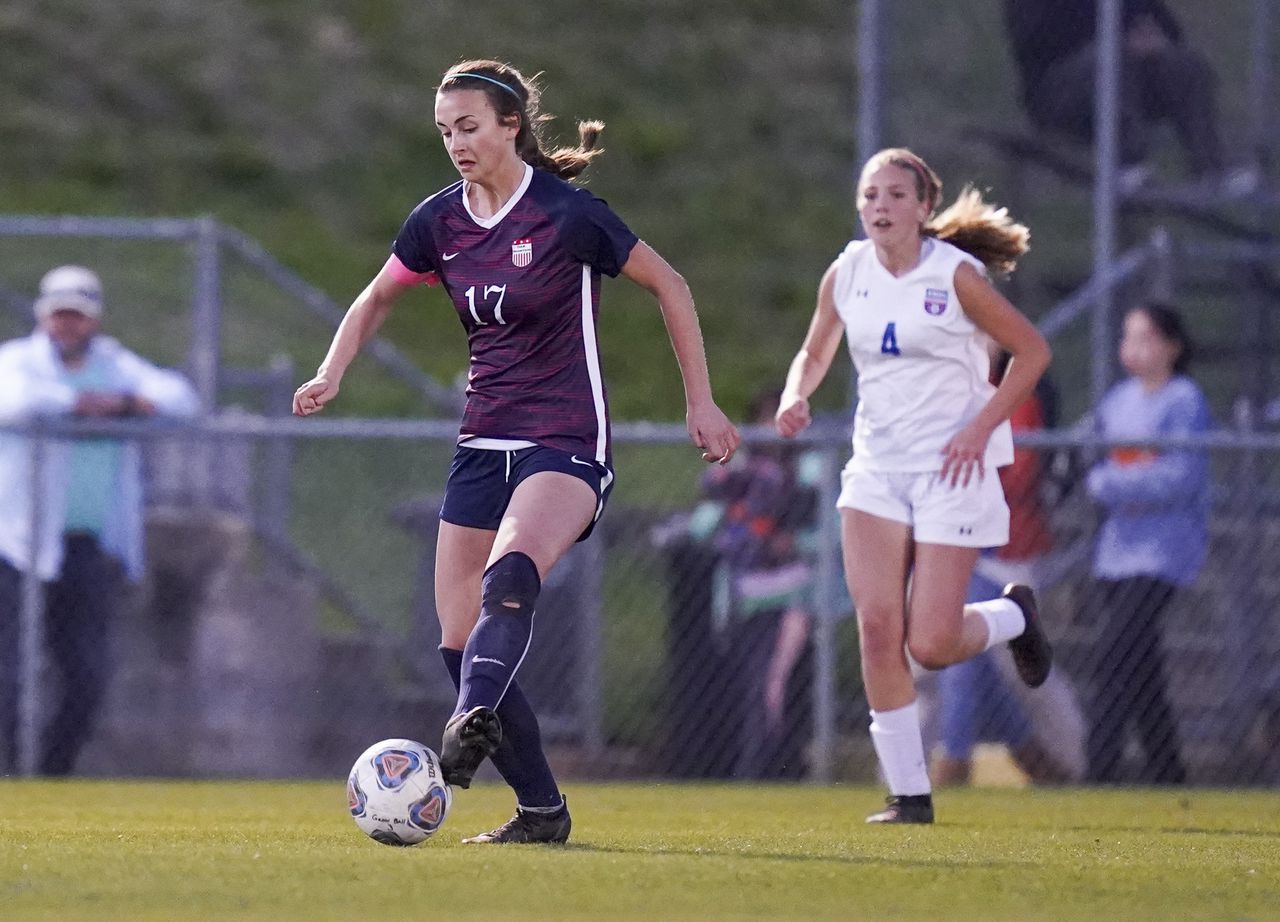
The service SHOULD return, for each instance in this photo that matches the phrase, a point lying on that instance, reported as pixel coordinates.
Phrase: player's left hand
(711, 431)
(962, 457)
(312, 396)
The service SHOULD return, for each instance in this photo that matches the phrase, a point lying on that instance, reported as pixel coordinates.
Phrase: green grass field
(179, 850)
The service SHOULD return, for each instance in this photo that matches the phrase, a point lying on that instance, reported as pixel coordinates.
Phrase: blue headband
(487, 79)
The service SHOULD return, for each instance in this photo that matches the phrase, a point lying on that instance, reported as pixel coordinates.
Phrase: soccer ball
(396, 792)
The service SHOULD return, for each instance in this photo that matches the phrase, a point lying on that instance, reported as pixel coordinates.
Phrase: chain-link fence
(253, 651)
(286, 617)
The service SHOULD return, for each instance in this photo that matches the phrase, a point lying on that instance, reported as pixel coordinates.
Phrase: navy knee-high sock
(509, 592)
(519, 758)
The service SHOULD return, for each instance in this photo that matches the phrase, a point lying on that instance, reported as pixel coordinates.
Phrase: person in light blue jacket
(1152, 542)
(86, 494)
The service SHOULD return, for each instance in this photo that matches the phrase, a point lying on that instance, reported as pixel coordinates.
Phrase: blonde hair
(512, 95)
(980, 228)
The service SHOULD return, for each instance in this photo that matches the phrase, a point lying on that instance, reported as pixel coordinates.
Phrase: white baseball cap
(70, 288)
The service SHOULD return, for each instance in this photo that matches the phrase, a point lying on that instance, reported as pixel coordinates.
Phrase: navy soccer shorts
(482, 481)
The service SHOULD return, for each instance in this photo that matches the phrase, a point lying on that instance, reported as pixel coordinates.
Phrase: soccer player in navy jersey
(520, 252)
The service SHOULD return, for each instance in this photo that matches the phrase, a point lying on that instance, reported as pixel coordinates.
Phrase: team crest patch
(935, 301)
(522, 252)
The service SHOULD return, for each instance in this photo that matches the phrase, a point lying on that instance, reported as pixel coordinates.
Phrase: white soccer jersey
(922, 364)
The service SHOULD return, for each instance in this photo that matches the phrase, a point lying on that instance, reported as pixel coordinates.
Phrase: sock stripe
(516, 667)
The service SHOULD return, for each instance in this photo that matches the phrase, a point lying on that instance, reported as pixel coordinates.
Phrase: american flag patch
(522, 252)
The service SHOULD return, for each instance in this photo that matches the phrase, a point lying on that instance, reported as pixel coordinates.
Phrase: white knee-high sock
(1004, 618)
(896, 736)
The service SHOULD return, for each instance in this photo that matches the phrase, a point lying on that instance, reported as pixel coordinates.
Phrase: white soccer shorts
(939, 513)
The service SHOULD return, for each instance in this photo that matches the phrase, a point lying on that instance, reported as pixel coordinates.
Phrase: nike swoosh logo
(576, 460)
(449, 256)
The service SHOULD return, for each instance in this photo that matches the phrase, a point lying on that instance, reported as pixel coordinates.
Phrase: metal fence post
(1248, 608)
(31, 627)
(274, 502)
(1261, 77)
(205, 356)
(872, 41)
(829, 574)
(1162, 265)
(591, 640)
(1105, 189)
(872, 33)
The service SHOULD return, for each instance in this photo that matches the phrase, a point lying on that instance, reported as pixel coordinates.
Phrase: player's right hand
(312, 396)
(711, 431)
(792, 417)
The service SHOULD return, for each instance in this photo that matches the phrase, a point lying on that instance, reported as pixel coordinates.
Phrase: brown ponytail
(512, 96)
(970, 223)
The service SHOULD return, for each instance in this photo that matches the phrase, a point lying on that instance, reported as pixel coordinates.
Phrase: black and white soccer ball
(397, 794)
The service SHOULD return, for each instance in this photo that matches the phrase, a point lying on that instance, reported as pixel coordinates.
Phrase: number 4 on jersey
(889, 341)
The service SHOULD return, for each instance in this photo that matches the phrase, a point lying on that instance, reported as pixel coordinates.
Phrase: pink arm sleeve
(406, 276)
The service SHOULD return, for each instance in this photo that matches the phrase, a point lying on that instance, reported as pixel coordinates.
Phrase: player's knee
(880, 630)
(931, 652)
(510, 586)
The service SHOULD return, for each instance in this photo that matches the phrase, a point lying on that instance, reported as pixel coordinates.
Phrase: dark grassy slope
(730, 140)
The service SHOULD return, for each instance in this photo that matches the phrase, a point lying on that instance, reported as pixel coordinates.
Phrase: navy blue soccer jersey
(526, 285)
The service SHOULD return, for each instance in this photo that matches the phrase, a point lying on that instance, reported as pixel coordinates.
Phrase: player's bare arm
(365, 316)
(709, 428)
(812, 362)
(1004, 323)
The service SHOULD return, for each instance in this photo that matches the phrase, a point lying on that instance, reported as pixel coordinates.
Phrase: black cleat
(905, 808)
(469, 739)
(525, 828)
(1032, 652)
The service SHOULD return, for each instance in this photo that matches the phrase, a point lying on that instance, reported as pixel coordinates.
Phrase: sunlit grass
(157, 850)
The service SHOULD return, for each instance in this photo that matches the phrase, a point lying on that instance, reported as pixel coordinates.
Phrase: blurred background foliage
(731, 142)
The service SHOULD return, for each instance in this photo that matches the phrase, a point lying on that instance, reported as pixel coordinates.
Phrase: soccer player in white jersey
(920, 497)
(520, 251)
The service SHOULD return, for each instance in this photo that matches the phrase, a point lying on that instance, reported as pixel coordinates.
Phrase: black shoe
(525, 828)
(1032, 652)
(469, 739)
(905, 808)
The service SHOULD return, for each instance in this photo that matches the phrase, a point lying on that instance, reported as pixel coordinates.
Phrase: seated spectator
(766, 580)
(741, 581)
(1163, 79)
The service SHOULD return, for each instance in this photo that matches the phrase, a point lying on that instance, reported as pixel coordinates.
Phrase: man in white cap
(89, 501)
